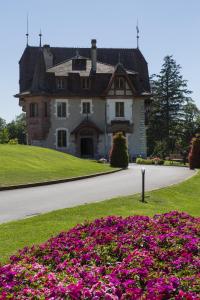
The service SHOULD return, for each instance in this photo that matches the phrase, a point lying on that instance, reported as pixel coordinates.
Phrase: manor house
(76, 99)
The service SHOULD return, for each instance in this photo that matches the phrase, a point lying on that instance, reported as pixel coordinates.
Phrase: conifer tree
(170, 95)
(119, 152)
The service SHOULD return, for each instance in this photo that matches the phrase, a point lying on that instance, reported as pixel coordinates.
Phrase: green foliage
(13, 142)
(142, 161)
(160, 149)
(4, 137)
(173, 117)
(175, 163)
(26, 164)
(17, 129)
(194, 155)
(2, 124)
(153, 161)
(119, 153)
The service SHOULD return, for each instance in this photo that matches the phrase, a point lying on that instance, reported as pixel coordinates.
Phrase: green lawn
(35, 230)
(26, 164)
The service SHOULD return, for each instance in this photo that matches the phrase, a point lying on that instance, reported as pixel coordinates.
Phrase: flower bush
(111, 258)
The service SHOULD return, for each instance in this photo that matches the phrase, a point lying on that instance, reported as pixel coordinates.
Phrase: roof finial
(40, 35)
(27, 30)
(137, 30)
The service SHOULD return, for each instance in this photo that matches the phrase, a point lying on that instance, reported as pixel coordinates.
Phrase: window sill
(62, 118)
(120, 118)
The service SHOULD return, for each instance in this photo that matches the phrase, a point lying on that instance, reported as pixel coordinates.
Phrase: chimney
(94, 55)
(48, 56)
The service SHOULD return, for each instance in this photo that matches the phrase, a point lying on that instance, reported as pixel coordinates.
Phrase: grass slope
(183, 197)
(25, 164)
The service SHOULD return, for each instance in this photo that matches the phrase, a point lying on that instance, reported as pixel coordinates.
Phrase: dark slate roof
(132, 59)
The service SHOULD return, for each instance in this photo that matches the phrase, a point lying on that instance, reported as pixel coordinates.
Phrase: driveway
(22, 203)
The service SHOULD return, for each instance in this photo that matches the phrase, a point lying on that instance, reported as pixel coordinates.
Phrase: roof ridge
(87, 48)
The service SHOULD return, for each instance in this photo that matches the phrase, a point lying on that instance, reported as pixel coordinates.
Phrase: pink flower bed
(111, 258)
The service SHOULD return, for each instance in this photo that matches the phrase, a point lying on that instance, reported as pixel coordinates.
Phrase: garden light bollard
(143, 183)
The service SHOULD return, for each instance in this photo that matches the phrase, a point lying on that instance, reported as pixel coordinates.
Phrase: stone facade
(77, 105)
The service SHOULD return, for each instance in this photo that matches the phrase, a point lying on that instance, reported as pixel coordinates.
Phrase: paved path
(18, 204)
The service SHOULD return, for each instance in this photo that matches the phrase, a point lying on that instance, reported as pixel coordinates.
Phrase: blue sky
(166, 27)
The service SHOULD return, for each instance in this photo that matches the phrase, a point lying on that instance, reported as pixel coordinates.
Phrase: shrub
(115, 258)
(13, 142)
(119, 152)
(142, 161)
(194, 155)
(158, 161)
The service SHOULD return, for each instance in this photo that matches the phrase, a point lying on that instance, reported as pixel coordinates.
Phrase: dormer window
(60, 83)
(85, 83)
(78, 64)
(119, 83)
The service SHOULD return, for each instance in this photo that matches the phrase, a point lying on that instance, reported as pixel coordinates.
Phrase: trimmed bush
(142, 161)
(119, 152)
(153, 161)
(194, 155)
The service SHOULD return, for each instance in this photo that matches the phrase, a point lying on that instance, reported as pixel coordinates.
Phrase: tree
(170, 107)
(4, 137)
(2, 124)
(119, 152)
(191, 123)
(17, 129)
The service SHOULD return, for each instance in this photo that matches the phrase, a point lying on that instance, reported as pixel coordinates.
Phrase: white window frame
(91, 106)
(119, 117)
(67, 108)
(67, 138)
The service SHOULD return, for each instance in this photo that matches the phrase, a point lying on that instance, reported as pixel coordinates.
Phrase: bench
(176, 157)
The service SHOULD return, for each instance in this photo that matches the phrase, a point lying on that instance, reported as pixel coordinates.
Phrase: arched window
(61, 138)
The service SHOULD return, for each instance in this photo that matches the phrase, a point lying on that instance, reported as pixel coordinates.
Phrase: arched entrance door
(86, 139)
(87, 147)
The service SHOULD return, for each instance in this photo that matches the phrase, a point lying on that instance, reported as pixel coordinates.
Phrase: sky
(169, 27)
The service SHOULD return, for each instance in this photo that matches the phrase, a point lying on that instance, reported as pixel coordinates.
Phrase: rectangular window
(119, 109)
(61, 109)
(62, 138)
(119, 83)
(33, 110)
(85, 83)
(86, 108)
(60, 83)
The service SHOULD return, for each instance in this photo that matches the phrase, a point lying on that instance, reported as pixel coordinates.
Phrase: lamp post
(143, 184)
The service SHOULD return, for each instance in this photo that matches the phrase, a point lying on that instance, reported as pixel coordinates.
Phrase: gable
(64, 68)
(115, 90)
